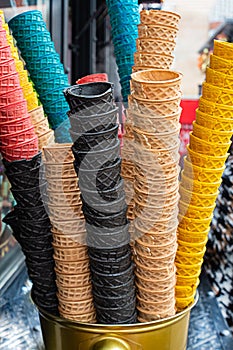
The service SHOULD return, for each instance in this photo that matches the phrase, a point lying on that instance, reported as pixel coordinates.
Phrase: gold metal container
(166, 334)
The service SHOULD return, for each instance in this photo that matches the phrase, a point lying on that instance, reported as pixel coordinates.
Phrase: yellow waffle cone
(189, 258)
(23, 77)
(223, 49)
(209, 148)
(189, 269)
(214, 122)
(219, 79)
(32, 101)
(182, 303)
(215, 109)
(216, 94)
(187, 281)
(2, 16)
(192, 236)
(186, 291)
(221, 65)
(205, 161)
(195, 225)
(202, 174)
(191, 248)
(197, 199)
(198, 186)
(211, 135)
(192, 211)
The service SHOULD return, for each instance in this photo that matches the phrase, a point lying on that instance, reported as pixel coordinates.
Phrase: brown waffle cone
(151, 273)
(164, 213)
(156, 46)
(69, 241)
(127, 148)
(153, 228)
(159, 159)
(147, 316)
(37, 115)
(154, 307)
(157, 224)
(58, 153)
(156, 187)
(156, 84)
(136, 68)
(64, 198)
(46, 139)
(77, 307)
(86, 318)
(156, 201)
(130, 211)
(42, 127)
(154, 107)
(156, 141)
(129, 190)
(153, 124)
(155, 262)
(64, 185)
(59, 171)
(156, 250)
(155, 238)
(127, 169)
(157, 32)
(157, 172)
(68, 226)
(70, 213)
(128, 129)
(164, 18)
(154, 295)
(156, 284)
(71, 281)
(70, 254)
(73, 267)
(76, 293)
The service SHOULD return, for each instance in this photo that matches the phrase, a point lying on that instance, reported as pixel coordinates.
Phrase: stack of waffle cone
(156, 40)
(44, 133)
(69, 235)
(203, 168)
(128, 169)
(156, 157)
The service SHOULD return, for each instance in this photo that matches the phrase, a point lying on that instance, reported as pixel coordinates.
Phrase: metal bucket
(167, 334)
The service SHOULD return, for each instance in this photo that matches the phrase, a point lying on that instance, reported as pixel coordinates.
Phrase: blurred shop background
(82, 35)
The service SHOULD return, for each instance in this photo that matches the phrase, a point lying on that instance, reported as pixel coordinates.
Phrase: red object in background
(188, 114)
(93, 78)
